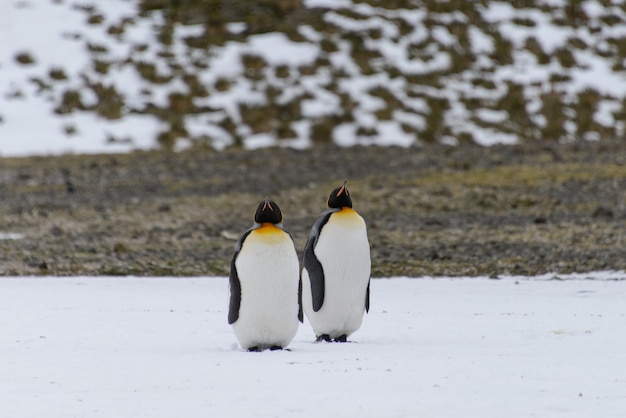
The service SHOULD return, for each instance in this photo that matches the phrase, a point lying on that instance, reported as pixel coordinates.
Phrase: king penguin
(336, 270)
(265, 287)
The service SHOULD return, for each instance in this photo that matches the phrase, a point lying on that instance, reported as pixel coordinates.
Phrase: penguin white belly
(344, 253)
(268, 271)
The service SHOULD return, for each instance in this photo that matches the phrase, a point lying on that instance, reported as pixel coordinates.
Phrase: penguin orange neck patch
(346, 211)
(268, 228)
(348, 218)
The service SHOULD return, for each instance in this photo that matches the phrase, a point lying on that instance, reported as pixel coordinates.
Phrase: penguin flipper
(367, 298)
(300, 311)
(316, 275)
(235, 284)
(235, 296)
(312, 264)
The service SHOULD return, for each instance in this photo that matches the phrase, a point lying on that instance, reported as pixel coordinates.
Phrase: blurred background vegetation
(460, 94)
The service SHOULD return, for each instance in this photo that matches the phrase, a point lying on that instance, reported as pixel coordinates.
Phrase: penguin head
(340, 197)
(268, 212)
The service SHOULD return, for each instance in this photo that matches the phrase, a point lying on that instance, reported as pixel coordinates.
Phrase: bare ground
(437, 210)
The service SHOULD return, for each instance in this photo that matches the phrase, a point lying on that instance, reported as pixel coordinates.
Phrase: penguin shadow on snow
(269, 294)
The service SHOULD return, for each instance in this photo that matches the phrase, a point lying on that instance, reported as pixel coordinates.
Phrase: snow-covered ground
(161, 347)
(55, 35)
(468, 62)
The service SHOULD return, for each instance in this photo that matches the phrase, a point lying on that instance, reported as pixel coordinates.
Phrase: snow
(59, 42)
(161, 347)
(10, 235)
(328, 3)
(277, 49)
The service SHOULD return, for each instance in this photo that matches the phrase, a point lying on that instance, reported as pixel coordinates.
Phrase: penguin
(336, 270)
(265, 288)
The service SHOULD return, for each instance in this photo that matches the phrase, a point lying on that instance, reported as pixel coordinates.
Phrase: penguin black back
(340, 197)
(268, 212)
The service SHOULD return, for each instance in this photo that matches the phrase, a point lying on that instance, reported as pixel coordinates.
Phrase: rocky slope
(217, 73)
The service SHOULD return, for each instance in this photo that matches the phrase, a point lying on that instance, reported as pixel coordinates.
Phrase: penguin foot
(341, 339)
(257, 349)
(323, 337)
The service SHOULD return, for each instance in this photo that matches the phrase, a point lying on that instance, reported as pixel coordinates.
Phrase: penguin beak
(342, 189)
(267, 204)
